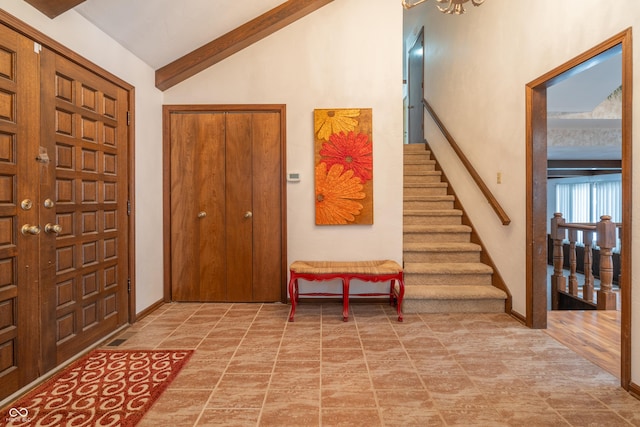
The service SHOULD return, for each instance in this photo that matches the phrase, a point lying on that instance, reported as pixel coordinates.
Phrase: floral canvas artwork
(343, 166)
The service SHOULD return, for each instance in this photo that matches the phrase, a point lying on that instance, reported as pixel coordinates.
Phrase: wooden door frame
(25, 29)
(167, 110)
(536, 210)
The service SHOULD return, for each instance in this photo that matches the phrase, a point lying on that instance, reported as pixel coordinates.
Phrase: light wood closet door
(226, 206)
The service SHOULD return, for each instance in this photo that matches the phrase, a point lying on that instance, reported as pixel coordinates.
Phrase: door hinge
(128, 118)
(128, 285)
(128, 207)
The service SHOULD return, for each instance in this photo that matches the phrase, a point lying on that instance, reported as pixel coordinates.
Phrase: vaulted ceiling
(181, 38)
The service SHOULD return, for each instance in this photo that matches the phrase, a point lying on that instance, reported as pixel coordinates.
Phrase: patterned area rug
(104, 388)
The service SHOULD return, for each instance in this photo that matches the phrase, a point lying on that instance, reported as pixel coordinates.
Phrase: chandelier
(454, 7)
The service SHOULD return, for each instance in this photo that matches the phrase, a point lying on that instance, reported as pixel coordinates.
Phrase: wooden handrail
(467, 164)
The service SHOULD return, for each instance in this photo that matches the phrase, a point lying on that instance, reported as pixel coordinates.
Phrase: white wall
(76, 33)
(476, 69)
(344, 55)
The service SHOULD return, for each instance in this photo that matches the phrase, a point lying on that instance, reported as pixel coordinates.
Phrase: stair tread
(436, 228)
(418, 160)
(442, 247)
(447, 268)
(432, 212)
(418, 146)
(426, 185)
(444, 292)
(421, 172)
(445, 197)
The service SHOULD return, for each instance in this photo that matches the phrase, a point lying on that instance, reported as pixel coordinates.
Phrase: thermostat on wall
(293, 176)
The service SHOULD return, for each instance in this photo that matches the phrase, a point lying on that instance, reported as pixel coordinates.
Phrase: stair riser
(427, 204)
(452, 306)
(446, 279)
(462, 237)
(422, 179)
(417, 153)
(440, 257)
(421, 152)
(432, 220)
(422, 167)
(425, 191)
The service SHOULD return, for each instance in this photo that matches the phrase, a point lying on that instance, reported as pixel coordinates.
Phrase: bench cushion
(349, 267)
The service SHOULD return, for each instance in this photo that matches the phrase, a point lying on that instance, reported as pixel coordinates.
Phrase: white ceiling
(160, 31)
(583, 92)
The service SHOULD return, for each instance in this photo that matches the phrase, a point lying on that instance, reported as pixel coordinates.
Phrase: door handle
(53, 228)
(248, 214)
(202, 214)
(30, 229)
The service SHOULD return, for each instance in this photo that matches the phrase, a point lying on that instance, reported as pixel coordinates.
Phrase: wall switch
(499, 178)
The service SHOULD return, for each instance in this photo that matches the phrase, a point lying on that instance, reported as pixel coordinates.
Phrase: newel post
(606, 241)
(558, 281)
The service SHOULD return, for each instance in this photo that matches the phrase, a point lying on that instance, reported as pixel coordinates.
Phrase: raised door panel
(85, 119)
(19, 321)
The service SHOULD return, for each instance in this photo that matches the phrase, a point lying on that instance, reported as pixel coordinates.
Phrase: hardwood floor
(595, 335)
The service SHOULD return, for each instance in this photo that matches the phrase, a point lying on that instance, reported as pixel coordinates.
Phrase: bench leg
(293, 296)
(345, 300)
(399, 298)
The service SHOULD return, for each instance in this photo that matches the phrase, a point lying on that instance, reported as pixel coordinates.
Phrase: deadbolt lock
(48, 203)
(26, 204)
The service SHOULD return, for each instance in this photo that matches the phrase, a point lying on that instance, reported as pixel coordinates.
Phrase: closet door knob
(248, 214)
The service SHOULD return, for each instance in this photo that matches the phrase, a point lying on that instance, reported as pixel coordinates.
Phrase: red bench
(367, 271)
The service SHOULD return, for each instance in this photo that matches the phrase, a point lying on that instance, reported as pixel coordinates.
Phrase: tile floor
(253, 368)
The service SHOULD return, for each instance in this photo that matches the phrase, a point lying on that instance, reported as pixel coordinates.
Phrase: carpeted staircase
(442, 268)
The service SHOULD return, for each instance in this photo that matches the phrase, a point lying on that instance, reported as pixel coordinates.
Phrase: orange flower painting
(344, 166)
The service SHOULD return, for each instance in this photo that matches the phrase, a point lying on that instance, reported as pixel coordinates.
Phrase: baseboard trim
(519, 317)
(147, 311)
(634, 390)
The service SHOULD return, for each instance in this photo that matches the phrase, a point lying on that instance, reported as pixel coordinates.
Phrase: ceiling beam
(53, 8)
(585, 164)
(234, 41)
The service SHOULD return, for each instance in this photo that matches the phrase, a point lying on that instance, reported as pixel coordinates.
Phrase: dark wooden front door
(63, 209)
(19, 289)
(85, 266)
(226, 204)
